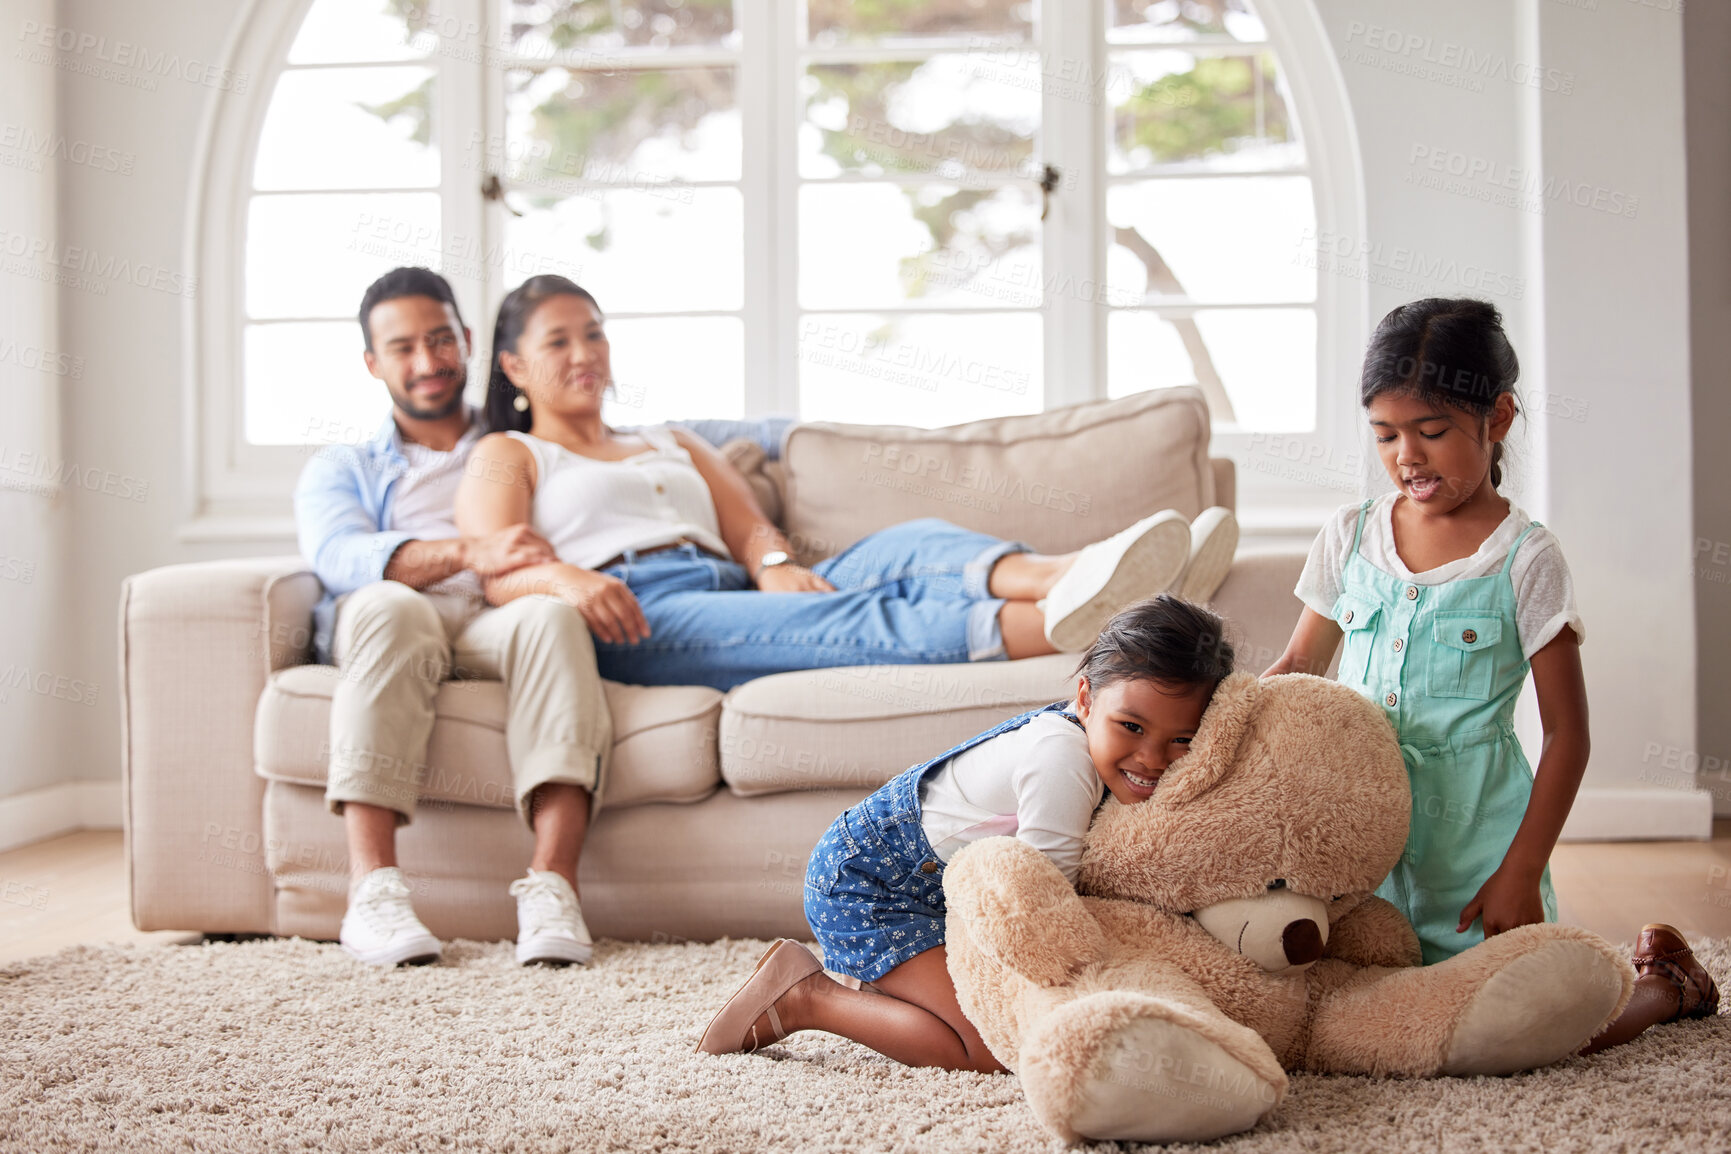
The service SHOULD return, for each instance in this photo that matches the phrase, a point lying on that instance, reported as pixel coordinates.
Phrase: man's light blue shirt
(343, 517)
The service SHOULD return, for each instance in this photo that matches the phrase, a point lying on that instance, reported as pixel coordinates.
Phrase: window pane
(875, 245)
(642, 250)
(837, 21)
(676, 369)
(622, 127)
(1241, 239)
(949, 116)
(1264, 358)
(306, 383)
(543, 29)
(1169, 21)
(338, 31)
(919, 369)
(1172, 107)
(349, 128)
(315, 255)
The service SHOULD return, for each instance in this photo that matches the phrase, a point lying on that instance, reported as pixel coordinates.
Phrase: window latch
(1049, 178)
(494, 189)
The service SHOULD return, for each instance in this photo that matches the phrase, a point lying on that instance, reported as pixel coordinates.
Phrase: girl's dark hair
(514, 313)
(1451, 351)
(1164, 639)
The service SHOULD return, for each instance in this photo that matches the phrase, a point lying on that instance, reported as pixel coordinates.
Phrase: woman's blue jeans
(912, 594)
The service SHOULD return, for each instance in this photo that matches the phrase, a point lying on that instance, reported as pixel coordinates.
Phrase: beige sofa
(712, 802)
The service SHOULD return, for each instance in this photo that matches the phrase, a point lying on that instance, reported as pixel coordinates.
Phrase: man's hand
(790, 578)
(508, 549)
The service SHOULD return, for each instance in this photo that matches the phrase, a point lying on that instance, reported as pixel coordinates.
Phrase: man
(403, 610)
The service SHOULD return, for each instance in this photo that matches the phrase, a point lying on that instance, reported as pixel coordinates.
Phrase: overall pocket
(1357, 618)
(1463, 660)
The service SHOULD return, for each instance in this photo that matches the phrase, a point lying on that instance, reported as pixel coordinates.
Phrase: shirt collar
(389, 439)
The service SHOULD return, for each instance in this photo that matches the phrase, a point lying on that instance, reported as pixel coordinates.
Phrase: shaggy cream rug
(288, 1045)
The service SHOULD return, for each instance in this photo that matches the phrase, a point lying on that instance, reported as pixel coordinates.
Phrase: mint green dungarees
(1445, 664)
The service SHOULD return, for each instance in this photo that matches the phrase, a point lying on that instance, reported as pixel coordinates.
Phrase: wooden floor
(71, 890)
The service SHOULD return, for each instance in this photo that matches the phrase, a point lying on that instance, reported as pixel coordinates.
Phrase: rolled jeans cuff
(977, 573)
(985, 634)
(562, 765)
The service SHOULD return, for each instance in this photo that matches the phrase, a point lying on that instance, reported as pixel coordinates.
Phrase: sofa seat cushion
(663, 740)
(859, 726)
(1055, 480)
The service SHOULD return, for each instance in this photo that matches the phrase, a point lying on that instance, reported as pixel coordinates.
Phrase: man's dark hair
(1164, 639)
(405, 282)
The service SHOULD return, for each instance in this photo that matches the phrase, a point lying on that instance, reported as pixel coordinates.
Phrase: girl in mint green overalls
(1443, 592)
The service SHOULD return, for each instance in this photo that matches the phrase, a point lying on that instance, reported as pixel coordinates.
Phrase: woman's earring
(520, 402)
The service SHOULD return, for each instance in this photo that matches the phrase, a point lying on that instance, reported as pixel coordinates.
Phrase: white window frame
(236, 491)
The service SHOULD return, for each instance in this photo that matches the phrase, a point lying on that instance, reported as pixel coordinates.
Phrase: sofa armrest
(196, 645)
(1259, 605)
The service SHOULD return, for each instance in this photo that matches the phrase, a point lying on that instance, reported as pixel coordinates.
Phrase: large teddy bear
(1226, 932)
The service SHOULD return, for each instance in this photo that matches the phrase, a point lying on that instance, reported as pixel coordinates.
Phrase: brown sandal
(734, 1028)
(1662, 950)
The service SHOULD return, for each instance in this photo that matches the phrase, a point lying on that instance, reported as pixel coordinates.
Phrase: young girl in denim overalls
(1445, 594)
(874, 892)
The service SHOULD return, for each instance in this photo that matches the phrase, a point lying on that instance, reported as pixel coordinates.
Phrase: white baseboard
(57, 809)
(1640, 815)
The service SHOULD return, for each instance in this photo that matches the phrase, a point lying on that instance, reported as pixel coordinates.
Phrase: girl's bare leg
(912, 1016)
(1656, 999)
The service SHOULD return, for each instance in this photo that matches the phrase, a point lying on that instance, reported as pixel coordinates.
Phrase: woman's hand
(1509, 898)
(606, 603)
(792, 579)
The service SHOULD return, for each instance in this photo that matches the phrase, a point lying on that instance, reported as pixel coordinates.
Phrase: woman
(663, 549)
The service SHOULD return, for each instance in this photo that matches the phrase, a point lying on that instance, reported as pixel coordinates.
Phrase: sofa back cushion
(1055, 480)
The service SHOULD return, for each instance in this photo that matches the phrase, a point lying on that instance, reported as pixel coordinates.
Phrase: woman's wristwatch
(769, 560)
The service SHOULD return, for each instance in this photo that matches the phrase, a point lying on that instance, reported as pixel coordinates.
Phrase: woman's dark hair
(1452, 352)
(1164, 639)
(514, 313)
(409, 281)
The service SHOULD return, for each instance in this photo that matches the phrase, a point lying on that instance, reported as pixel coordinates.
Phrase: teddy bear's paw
(1112, 1071)
(1538, 1009)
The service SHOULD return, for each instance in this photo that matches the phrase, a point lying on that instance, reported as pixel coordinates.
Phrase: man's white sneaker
(380, 927)
(1213, 542)
(1139, 562)
(549, 925)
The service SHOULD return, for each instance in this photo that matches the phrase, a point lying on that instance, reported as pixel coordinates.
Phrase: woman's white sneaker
(1143, 560)
(380, 927)
(549, 924)
(1213, 544)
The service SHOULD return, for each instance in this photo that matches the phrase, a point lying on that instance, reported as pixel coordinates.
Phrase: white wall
(34, 519)
(1595, 303)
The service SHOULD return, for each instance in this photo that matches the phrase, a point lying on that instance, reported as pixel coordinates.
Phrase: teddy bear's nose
(1302, 942)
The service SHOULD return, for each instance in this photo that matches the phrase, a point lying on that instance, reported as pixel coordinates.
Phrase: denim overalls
(874, 887)
(1445, 664)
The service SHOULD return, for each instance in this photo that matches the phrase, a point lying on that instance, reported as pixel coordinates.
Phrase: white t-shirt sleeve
(1320, 583)
(1057, 792)
(1544, 593)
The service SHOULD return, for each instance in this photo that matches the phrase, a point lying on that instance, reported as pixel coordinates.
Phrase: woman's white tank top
(592, 511)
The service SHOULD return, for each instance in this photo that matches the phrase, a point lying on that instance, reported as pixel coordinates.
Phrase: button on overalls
(1445, 664)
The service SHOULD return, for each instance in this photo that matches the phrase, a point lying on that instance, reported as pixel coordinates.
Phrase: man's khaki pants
(394, 646)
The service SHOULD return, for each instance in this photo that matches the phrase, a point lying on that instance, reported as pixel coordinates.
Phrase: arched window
(920, 212)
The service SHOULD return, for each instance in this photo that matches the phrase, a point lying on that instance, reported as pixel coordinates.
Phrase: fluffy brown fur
(1295, 779)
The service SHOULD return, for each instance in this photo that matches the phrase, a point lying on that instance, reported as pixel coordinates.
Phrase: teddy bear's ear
(1214, 751)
